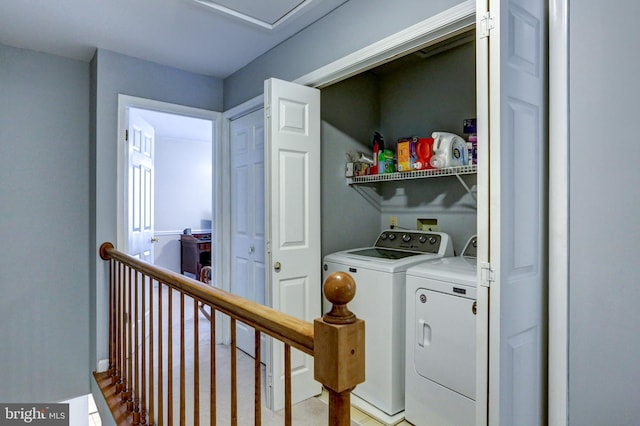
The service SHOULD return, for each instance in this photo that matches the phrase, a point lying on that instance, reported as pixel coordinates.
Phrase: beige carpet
(310, 412)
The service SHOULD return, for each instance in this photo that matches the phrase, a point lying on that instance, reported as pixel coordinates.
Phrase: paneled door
(292, 194)
(140, 139)
(247, 218)
(512, 206)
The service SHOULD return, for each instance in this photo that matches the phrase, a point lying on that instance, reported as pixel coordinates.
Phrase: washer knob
(432, 240)
(392, 237)
(422, 239)
(406, 238)
(383, 236)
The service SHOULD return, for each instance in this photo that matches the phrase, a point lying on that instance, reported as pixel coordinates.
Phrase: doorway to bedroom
(165, 180)
(182, 184)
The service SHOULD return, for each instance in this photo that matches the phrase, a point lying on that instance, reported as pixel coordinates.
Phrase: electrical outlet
(393, 221)
(427, 225)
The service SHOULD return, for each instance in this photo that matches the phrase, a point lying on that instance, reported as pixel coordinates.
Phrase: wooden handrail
(284, 327)
(336, 342)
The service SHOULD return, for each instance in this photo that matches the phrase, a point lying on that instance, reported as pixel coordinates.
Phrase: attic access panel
(267, 13)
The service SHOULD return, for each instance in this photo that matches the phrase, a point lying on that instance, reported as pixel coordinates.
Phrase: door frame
(127, 101)
(558, 382)
(455, 20)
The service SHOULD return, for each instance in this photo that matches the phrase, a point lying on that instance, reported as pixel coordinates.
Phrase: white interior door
(140, 148)
(292, 193)
(513, 260)
(247, 216)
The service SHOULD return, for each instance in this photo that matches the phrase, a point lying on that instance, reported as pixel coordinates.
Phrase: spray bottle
(378, 146)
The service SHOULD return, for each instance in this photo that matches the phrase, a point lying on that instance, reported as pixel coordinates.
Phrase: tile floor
(94, 416)
(357, 416)
(362, 418)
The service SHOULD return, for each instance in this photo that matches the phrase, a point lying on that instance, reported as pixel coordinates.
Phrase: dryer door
(445, 340)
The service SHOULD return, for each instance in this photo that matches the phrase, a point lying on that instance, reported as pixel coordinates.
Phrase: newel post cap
(339, 338)
(339, 289)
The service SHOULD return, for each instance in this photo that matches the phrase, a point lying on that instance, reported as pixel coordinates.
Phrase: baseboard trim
(103, 365)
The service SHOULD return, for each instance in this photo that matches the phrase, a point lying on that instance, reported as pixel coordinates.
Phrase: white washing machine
(379, 273)
(441, 340)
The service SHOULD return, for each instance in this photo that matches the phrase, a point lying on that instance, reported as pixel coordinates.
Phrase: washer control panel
(471, 249)
(419, 241)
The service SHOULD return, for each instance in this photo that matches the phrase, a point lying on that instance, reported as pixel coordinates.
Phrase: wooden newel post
(104, 248)
(339, 348)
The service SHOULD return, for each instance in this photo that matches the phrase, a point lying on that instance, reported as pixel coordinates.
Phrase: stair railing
(141, 297)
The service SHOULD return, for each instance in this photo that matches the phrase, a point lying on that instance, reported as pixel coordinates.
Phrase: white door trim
(558, 398)
(126, 101)
(439, 27)
(482, 220)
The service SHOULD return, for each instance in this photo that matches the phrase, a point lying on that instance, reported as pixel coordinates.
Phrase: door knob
(277, 266)
(154, 240)
(251, 249)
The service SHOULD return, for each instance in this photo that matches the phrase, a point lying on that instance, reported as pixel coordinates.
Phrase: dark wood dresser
(195, 252)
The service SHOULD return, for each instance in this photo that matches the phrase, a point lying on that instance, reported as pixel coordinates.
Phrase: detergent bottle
(449, 150)
(423, 152)
(377, 146)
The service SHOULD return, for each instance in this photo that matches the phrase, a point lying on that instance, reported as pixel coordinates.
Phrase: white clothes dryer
(441, 340)
(379, 273)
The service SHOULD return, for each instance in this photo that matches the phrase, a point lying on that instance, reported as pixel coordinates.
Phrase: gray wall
(407, 97)
(418, 97)
(604, 213)
(352, 26)
(183, 184)
(44, 224)
(350, 114)
(118, 74)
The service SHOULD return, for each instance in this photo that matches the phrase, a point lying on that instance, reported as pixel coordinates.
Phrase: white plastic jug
(449, 150)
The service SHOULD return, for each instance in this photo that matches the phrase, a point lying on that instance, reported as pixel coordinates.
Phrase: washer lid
(456, 270)
(381, 264)
(381, 253)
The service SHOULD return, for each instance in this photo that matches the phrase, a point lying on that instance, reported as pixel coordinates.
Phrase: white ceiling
(267, 14)
(178, 127)
(214, 40)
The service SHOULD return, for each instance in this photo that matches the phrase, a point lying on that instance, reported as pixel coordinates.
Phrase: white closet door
(515, 235)
(247, 218)
(292, 193)
(140, 153)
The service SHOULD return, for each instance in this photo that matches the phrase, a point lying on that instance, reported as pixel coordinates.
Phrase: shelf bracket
(369, 194)
(464, 184)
